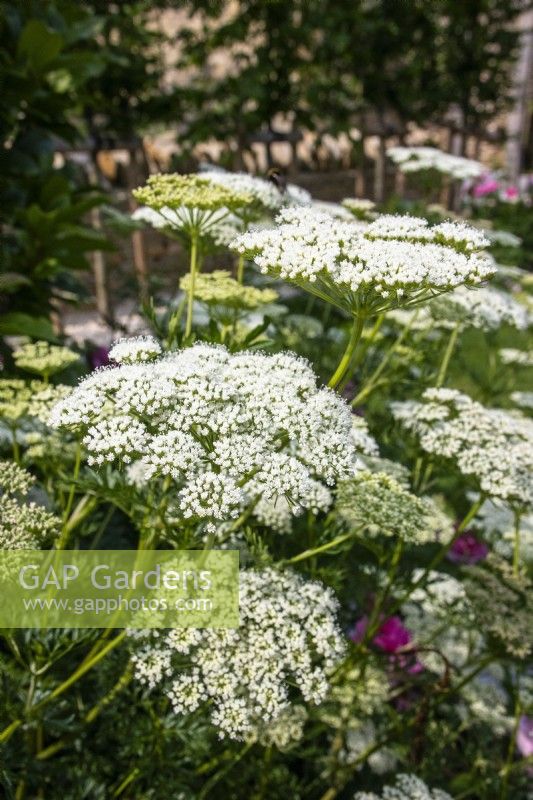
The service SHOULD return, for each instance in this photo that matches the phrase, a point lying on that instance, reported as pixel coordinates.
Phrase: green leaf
(117, 221)
(18, 324)
(39, 44)
(11, 281)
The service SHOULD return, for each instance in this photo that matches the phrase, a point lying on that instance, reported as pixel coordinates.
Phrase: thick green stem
(240, 268)
(192, 273)
(450, 347)
(344, 363)
(374, 621)
(372, 381)
(75, 475)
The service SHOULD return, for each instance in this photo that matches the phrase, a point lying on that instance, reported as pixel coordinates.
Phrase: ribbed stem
(192, 283)
(344, 363)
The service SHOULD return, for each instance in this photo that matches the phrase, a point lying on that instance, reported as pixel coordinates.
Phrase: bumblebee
(279, 180)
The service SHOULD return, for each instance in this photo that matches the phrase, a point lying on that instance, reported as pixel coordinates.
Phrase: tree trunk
(379, 171)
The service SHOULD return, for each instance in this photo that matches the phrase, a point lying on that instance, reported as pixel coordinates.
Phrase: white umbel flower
(266, 196)
(393, 261)
(484, 308)
(132, 351)
(227, 430)
(493, 446)
(418, 159)
(520, 358)
(287, 645)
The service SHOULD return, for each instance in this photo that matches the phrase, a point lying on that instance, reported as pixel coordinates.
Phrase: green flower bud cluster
(380, 503)
(190, 191)
(219, 288)
(43, 358)
(20, 399)
(14, 480)
(23, 525)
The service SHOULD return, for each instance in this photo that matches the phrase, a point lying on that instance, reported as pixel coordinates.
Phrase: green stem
(344, 363)
(372, 381)
(450, 347)
(82, 510)
(84, 667)
(75, 475)
(219, 775)
(174, 322)
(128, 780)
(309, 553)
(374, 621)
(192, 272)
(240, 268)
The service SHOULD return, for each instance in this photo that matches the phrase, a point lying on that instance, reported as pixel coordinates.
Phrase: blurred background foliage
(79, 78)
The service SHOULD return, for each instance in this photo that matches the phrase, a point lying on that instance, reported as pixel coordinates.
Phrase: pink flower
(524, 736)
(467, 549)
(511, 193)
(392, 635)
(488, 186)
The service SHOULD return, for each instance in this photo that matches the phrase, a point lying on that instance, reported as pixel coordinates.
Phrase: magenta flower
(467, 549)
(524, 736)
(488, 186)
(511, 193)
(392, 635)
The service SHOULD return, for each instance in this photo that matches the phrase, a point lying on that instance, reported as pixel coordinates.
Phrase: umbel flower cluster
(407, 787)
(219, 228)
(483, 307)
(43, 358)
(393, 261)
(20, 399)
(189, 205)
(226, 430)
(189, 191)
(266, 198)
(23, 524)
(493, 446)
(219, 288)
(502, 601)
(377, 502)
(286, 646)
(418, 159)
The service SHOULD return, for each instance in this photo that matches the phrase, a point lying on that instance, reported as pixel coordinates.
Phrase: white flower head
(483, 307)
(419, 159)
(227, 430)
(493, 446)
(132, 351)
(287, 645)
(406, 787)
(365, 269)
